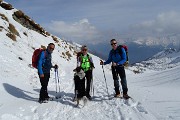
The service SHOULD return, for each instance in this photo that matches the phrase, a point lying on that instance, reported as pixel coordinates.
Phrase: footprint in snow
(136, 105)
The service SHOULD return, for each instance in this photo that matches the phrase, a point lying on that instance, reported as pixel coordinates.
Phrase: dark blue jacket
(44, 63)
(114, 56)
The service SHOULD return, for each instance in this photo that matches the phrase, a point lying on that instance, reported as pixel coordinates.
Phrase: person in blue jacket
(44, 67)
(117, 68)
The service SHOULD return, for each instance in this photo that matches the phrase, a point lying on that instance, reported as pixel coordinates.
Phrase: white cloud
(164, 30)
(164, 23)
(79, 31)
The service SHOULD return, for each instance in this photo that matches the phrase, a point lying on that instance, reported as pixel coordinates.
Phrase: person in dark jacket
(117, 68)
(44, 67)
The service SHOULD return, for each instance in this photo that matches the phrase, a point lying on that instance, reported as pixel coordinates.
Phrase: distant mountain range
(141, 46)
(137, 52)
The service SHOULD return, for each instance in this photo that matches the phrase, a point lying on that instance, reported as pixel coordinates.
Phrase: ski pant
(88, 82)
(119, 70)
(79, 86)
(44, 83)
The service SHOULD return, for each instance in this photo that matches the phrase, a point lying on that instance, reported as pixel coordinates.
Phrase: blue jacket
(44, 63)
(114, 56)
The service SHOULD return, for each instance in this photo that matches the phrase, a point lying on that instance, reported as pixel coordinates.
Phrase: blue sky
(101, 20)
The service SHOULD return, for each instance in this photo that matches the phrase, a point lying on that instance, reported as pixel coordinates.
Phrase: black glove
(101, 62)
(92, 65)
(56, 66)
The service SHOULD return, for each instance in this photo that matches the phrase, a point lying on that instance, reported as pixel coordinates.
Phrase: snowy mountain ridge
(165, 59)
(151, 39)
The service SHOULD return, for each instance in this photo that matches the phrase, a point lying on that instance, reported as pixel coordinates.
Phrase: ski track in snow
(99, 108)
(64, 108)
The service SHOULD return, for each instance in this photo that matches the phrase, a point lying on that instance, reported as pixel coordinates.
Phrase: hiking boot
(50, 98)
(47, 98)
(75, 99)
(126, 96)
(42, 101)
(89, 97)
(77, 102)
(117, 95)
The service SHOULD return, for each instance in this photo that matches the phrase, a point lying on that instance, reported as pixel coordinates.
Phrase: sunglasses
(51, 48)
(84, 50)
(113, 43)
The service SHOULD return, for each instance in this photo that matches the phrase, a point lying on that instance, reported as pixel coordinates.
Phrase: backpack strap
(45, 54)
(89, 60)
(120, 50)
(83, 55)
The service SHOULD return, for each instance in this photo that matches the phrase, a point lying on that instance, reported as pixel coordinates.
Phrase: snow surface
(155, 93)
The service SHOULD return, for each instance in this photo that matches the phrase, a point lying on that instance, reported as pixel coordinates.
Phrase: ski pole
(92, 86)
(55, 79)
(105, 81)
(58, 80)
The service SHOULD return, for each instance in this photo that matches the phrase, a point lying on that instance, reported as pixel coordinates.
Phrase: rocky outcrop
(27, 22)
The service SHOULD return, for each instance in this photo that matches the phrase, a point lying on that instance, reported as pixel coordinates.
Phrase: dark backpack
(36, 56)
(119, 48)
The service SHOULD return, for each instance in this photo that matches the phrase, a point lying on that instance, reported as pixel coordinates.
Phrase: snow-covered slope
(154, 93)
(158, 91)
(158, 83)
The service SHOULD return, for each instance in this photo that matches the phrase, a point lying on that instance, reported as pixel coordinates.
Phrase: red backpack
(126, 50)
(35, 57)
